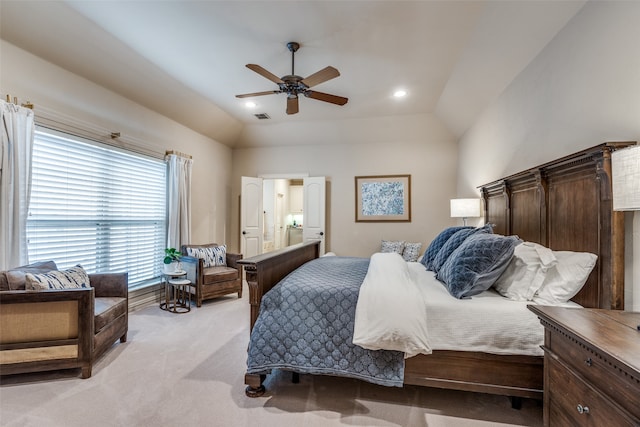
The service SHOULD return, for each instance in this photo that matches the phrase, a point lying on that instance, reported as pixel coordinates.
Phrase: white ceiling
(186, 59)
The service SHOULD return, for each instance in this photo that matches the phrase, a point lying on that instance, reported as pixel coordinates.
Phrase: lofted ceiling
(186, 59)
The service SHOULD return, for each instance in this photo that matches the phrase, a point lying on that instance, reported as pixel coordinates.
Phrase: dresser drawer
(595, 368)
(574, 402)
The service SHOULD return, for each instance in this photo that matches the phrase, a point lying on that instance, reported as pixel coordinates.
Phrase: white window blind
(94, 205)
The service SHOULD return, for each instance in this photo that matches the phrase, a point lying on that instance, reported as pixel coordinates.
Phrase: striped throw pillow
(72, 278)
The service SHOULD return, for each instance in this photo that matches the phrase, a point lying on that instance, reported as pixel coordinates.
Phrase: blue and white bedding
(359, 318)
(306, 325)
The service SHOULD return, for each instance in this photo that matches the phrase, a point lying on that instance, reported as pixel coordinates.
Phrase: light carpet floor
(188, 370)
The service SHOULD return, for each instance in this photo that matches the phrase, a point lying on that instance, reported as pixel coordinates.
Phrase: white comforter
(390, 313)
(402, 306)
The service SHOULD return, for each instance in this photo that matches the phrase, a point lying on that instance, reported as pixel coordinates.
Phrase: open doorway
(282, 207)
(279, 212)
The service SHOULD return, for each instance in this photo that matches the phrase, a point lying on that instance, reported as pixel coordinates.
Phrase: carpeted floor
(188, 369)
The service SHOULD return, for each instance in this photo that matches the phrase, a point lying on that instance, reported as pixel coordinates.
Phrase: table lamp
(465, 208)
(625, 171)
(625, 168)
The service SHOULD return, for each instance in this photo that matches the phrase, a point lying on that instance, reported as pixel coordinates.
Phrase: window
(98, 206)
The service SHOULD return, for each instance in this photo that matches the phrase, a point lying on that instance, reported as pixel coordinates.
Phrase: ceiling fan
(294, 85)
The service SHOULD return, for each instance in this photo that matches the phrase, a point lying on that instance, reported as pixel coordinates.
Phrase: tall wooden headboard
(567, 205)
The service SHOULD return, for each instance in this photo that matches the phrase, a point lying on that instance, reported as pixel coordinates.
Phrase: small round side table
(176, 292)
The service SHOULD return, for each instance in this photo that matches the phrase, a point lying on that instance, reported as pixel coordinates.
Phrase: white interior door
(251, 216)
(314, 210)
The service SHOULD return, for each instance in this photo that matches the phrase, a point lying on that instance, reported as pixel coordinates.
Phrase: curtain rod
(177, 153)
(15, 101)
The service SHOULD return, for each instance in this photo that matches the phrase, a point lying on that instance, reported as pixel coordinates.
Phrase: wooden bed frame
(565, 204)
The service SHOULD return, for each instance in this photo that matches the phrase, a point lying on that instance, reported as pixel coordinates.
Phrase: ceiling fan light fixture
(250, 104)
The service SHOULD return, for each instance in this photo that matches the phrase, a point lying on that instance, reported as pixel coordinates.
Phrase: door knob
(244, 232)
(322, 233)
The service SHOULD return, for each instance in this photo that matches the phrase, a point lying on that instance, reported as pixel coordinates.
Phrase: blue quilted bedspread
(306, 325)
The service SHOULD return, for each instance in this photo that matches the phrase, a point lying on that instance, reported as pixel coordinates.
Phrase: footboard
(264, 271)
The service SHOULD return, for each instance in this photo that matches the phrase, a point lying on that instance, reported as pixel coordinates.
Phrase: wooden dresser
(591, 366)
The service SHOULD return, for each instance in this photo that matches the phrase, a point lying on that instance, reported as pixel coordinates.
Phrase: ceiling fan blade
(321, 76)
(264, 73)
(248, 95)
(292, 104)
(326, 97)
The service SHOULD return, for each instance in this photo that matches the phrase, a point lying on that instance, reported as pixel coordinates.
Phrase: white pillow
(565, 280)
(526, 272)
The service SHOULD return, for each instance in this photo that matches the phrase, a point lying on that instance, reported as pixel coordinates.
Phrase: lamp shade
(465, 208)
(625, 169)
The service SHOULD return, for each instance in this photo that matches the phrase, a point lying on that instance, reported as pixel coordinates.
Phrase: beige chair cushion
(219, 274)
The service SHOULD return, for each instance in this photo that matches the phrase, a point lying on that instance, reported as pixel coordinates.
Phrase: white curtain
(179, 200)
(15, 183)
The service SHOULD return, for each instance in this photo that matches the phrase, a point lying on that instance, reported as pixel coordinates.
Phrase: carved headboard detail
(566, 205)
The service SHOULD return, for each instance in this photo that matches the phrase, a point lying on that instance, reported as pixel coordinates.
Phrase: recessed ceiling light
(250, 104)
(400, 93)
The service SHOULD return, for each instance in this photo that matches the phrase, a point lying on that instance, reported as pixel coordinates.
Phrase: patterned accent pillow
(411, 251)
(454, 241)
(436, 244)
(220, 255)
(72, 278)
(210, 255)
(477, 263)
(204, 253)
(391, 246)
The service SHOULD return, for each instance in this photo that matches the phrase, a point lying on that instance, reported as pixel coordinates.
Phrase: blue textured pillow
(477, 263)
(437, 243)
(453, 243)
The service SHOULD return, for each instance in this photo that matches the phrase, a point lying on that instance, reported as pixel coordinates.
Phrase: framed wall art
(383, 198)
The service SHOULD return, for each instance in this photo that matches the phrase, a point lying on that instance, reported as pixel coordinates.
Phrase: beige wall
(416, 145)
(583, 89)
(52, 88)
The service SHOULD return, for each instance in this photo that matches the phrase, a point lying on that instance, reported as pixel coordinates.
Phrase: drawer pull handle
(588, 362)
(583, 409)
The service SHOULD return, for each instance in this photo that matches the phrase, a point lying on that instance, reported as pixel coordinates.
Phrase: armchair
(52, 329)
(211, 281)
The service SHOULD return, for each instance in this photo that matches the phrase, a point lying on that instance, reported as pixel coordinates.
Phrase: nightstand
(591, 366)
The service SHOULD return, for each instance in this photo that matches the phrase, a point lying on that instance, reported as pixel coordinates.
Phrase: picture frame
(383, 198)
